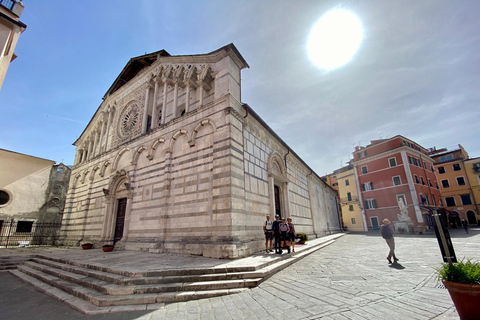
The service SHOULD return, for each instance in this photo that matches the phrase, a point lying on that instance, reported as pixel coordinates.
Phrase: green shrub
(302, 236)
(462, 272)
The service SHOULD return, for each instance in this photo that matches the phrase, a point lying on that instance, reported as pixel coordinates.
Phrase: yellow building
(350, 202)
(454, 183)
(10, 29)
(472, 168)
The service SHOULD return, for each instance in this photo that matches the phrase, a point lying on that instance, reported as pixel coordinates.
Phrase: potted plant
(108, 248)
(87, 246)
(302, 237)
(462, 280)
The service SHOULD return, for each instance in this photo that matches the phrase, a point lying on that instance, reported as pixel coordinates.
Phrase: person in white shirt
(268, 230)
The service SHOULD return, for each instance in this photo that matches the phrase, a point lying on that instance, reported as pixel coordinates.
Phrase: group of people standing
(283, 232)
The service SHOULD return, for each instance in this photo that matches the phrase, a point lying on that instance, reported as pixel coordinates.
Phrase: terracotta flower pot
(465, 298)
(87, 246)
(108, 248)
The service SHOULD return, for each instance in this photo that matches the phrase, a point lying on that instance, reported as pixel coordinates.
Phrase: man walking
(268, 230)
(276, 234)
(387, 234)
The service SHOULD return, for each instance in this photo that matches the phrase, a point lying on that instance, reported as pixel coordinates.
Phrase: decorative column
(95, 143)
(200, 87)
(90, 147)
(145, 109)
(102, 132)
(109, 122)
(164, 105)
(175, 99)
(187, 97)
(154, 105)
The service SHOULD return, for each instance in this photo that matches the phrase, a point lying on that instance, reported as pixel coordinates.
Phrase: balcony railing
(346, 200)
(8, 4)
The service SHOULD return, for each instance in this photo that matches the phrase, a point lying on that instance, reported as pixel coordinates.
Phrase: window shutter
(366, 205)
(371, 185)
(374, 203)
(363, 187)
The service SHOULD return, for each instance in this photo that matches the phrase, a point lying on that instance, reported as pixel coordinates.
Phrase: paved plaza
(349, 279)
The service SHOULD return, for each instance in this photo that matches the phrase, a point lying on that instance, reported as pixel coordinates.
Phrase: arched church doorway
(471, 217)
(278, 210)
(120, 221)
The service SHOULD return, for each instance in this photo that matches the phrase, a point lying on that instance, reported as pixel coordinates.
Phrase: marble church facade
(173, 161)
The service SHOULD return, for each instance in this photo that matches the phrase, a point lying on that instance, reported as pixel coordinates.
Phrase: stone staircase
(95, 289)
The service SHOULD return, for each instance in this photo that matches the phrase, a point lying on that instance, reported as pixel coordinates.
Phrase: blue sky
(417, 72)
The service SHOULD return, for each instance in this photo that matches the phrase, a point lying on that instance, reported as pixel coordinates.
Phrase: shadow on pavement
(19, 300)
(396, 265)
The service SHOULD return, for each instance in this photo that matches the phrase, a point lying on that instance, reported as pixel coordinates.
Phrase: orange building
(454, 183)
(395, 177)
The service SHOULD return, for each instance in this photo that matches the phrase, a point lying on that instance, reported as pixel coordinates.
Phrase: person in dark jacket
(277, 234)
(387, 234)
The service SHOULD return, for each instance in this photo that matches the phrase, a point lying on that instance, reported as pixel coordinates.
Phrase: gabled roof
(133, 67)
(136, 64)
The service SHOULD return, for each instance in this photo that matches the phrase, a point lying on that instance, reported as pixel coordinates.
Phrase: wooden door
(277, 201)
(120, 222)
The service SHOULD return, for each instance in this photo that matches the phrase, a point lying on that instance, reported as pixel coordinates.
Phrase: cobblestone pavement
(349, 279)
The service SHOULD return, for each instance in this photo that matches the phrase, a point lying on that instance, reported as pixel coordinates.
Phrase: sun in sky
(334, 39)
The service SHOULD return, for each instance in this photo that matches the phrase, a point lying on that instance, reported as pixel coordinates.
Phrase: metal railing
(25, 234)
(8, 4)
(346, 200)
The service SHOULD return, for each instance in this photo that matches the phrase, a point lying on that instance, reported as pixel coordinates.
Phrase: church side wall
(302, 195)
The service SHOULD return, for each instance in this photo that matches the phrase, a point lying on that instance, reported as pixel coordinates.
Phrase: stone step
(89, 308)
(11, 262)
(103, 300)
(115, 289)
(153, 273)
(124, 280)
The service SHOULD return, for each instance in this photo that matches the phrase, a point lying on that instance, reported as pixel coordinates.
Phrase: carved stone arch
(117, 158)
(276, 167)
(201, 124)
(191, 74)
(119, 188)
(84, 175)
(137, 153)
(278, 185)
(178, 73)
(154, 147)
(120, 176)
(104, 168)
(75, 180)
(175, 137)
(94, 170)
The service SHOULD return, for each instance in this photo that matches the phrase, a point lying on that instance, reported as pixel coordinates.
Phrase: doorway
(120, 221)
(471, 217)
(374, 221)
(278, 210)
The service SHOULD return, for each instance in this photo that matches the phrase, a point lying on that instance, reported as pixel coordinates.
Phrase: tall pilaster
(154, 105)
(187, 97)
(175, 99)
(164, 105)
(102, 132)
(109, 122)
(145, 109)
(95, 142)
(200, 88)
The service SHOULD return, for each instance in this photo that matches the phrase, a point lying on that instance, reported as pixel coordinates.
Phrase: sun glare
(334, 39)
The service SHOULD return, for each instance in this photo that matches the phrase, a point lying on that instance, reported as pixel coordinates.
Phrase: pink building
(395, 176)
